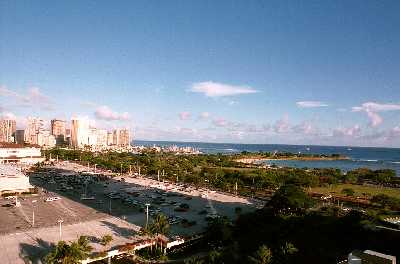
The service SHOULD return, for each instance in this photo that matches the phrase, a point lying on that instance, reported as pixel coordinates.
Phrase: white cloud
(376, 107)
(8, 115)
(282, 125)
(32, 98)
(310, 104)
(220, 122)
(185, 115)
(106, 113)
(354, 131)
(372, 109)
(305, 128)
(213, 89)
(374, 119)
(204, 115)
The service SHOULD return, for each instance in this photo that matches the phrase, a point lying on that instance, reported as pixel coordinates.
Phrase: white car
(51, 199)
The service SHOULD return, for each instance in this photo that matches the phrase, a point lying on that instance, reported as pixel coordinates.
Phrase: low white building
(13, 180)
(15, 153)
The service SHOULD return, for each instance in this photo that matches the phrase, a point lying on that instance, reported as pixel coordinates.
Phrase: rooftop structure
(16, 153)
(12, 180)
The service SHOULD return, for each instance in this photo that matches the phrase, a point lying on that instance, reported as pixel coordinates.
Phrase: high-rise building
(92, 138)
(7, 130)
(124, 138)
(19, 136)
(121, 137)
(101, 137)
(110, 138)
(115, 140)
(46, 139)
(34, 127)
(79, 132)
(58, 131)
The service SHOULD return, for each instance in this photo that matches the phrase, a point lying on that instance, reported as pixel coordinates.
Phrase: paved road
(30, 246)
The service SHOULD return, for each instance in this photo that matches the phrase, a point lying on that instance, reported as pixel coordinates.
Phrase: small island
(251, 158)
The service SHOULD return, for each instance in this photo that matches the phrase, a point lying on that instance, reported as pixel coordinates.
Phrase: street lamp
(147, 214)
(33, 213)
(60, 223)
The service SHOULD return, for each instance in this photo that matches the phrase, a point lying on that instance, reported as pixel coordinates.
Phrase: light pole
(147, 214)
(60, 223)
(95, 168)
(33, 213)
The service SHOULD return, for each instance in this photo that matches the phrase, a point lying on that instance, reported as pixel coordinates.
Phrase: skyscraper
(7, 130)
(79, 132)
(124, 138)
(101, 138)
(58, 131)
(121, 137)
(34, 127)
(110, 138)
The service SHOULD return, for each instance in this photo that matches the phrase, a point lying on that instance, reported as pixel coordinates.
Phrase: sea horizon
(283, 144)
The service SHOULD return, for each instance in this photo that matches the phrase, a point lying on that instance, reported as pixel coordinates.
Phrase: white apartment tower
(121, 137)
(79, 132)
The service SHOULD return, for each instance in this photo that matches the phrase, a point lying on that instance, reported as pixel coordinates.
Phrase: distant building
(16, 153)
(35, 126)
(92, 138)
(121, 137)
(101, 138)
(19, 136)
(12, 180)
(80, 131)
(68, 136)
(46, 139)
(58, 130)
(7, 130)
(124, 138)
(110, 138)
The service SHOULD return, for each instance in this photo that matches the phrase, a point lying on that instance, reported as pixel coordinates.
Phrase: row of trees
(222, 171)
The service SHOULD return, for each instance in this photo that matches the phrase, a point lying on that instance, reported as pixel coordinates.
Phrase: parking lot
(86, 196)
(85, 200)
(35, 212)
(80, 196)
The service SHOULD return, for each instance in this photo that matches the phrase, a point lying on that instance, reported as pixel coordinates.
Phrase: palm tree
(262, 256)
(58, 254)
(106, 240)
(69, 254)
(160, 226)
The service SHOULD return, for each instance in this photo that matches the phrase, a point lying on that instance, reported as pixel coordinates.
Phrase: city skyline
(298, 73)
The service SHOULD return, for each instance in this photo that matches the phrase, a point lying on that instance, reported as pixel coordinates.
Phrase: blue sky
(297, 72)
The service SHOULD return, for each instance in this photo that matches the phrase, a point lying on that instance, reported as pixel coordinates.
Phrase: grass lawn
(359, 190)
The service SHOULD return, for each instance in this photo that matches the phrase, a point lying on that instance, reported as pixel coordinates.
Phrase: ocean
(360, 157)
